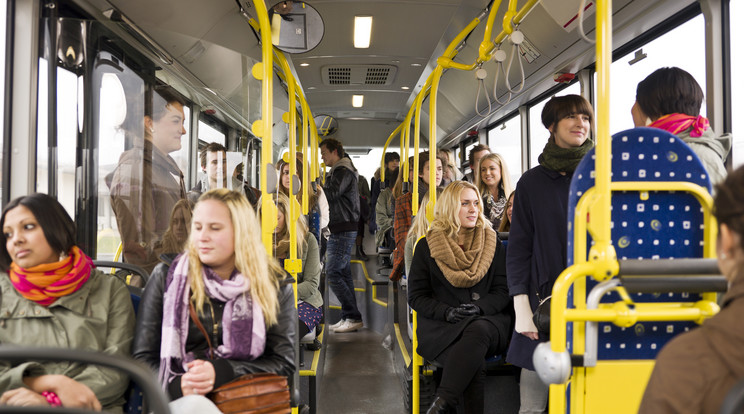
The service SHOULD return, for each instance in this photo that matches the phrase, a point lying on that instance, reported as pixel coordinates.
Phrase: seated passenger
(316, 203)
(147, 182)
(458, 287)
(385, 208)
(696, 370)
(227, 281)
(392, 166)
(419, 228)
(670, 99)
(175, 237)
(404, 211)
(310, 300)
(494, 184)
(52, 296)
(506, 222)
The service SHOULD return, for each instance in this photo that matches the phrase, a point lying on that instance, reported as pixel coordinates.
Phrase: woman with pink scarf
(226, 281)
(670, 99)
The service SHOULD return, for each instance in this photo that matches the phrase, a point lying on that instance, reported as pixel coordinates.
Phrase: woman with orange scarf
(52, 296)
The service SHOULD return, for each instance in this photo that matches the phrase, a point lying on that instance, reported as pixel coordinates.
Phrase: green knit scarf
(560, 159)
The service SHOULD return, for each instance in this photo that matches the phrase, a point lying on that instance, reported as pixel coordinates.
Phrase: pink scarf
(676, 123)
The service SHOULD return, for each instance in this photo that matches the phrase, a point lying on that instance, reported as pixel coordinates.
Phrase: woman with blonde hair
(458, 287)
(310, 300)
(226, 282)
(419, 227)
(494, 184)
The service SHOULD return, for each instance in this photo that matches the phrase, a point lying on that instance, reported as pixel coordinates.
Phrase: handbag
(259, 393)
(541, 316)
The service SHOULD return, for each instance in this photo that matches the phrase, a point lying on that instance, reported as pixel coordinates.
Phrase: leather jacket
(278, 356)
(343, 196)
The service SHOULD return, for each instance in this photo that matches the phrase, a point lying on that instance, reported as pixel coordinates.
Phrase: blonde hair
(282, 203)
(447, 209)
(420, 223)
(505, 185)
(251, 260)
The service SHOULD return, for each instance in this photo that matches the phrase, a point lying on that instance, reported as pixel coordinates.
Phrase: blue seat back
(661, 226)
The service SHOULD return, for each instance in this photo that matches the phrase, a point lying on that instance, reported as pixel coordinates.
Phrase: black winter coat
(430, 294)
(341, 190)
(278, 356)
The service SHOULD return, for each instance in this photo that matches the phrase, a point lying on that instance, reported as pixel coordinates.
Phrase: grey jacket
(711, 150)
(309, 279)
(97, 317)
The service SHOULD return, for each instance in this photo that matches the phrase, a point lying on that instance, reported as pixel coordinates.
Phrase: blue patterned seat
(661, 225)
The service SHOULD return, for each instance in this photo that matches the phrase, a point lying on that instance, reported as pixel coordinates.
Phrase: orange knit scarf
(46, 282)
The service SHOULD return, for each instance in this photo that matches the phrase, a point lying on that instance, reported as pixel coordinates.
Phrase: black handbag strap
(199, 325)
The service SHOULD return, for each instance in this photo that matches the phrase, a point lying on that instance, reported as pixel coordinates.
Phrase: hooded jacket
(711, 150)
(341, 190)
(696, 370)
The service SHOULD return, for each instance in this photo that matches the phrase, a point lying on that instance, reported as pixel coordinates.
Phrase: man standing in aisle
(343, 200)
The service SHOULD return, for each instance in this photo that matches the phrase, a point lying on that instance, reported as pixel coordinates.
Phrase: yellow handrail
(384, 150)
(263, 71)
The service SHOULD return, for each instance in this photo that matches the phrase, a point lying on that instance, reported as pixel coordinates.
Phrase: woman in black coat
(458, 287)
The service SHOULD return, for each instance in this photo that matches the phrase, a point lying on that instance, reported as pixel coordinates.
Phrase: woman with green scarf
(458, 287)
(537, 238)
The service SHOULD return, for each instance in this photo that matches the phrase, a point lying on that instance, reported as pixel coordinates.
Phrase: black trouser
(464, 363)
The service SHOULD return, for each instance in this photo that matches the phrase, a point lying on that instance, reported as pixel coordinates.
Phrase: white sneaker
(349, 326)
(337, 324)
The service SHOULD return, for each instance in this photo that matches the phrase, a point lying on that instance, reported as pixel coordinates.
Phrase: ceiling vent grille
(359, 75)
(339, 76)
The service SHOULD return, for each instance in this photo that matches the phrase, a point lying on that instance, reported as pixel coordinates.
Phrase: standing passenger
(343, 202)
(537, 239)
(670, 99)
(458, 287)
(494, 184)
(476, 153)
(147, 183)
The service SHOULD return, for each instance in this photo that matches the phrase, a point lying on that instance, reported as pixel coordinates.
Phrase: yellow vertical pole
(262, 127)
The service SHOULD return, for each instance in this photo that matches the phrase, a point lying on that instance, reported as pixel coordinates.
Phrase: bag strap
(197, 322)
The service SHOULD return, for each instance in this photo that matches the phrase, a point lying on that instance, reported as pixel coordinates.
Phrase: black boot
(439, 406)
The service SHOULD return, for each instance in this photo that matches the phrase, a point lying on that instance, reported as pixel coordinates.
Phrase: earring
(723, 256)
(152, 130)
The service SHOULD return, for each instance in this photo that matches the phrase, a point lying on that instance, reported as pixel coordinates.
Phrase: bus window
(3, 18)
(538, 134)
(120, 94)
(505, 139)
(737, 87)
(208, 134)
(68, 104)
(663, 51)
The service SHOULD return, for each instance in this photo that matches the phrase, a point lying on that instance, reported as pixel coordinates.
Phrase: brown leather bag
(259, 393)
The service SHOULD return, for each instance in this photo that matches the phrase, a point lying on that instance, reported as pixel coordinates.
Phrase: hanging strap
(199, 325)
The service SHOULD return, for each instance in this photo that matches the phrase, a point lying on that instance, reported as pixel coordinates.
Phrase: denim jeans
(338, 272)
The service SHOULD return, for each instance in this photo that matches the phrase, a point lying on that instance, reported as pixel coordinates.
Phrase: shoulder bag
(259, 393)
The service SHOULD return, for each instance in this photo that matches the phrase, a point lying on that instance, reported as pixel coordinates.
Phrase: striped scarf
(676, 123)
(46, 282)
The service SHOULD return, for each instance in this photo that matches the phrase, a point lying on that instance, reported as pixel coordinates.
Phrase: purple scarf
(243, 326)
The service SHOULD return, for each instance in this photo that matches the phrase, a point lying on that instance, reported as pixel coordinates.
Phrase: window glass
(3, 18)
(68, 103)
(506, 140)
(208, 134)
(661, 52)
(737, 87)
(539, 135)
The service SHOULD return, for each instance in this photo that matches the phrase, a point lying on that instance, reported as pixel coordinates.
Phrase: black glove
(453, 315)
(469, 309)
